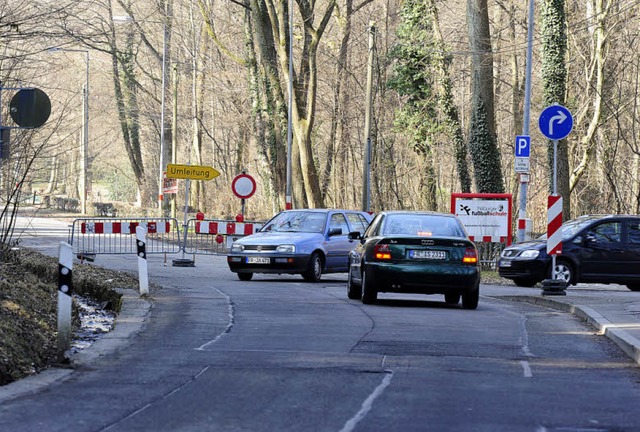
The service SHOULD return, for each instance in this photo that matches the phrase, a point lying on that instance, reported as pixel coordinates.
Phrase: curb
(629, 344)
(129, 322)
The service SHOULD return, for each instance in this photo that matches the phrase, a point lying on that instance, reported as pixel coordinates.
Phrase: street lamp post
(85, 130)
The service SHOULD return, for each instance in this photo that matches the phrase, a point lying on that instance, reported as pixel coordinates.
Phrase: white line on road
(368, 403)
(231, 313)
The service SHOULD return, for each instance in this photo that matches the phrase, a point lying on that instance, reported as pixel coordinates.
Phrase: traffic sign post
(522, 166)
(555, 123)
(243, 186)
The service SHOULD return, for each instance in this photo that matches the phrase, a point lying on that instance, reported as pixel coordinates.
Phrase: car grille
(260, 248)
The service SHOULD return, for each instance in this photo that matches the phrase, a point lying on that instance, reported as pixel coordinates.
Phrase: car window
(373, 228)
(357, 222)
(423, 225)
(297, 221)
(338, 221)
(608, 232)
(634, 232)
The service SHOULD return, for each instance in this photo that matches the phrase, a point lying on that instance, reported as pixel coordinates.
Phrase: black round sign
(30, 108)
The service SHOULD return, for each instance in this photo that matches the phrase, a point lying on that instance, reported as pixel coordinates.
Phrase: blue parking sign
(523, 145)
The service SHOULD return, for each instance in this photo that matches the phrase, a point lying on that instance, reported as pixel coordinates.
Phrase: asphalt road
(279, 354)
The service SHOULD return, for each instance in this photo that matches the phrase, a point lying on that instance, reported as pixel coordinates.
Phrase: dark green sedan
(414, 252)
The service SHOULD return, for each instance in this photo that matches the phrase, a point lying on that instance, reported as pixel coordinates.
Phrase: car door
(631, 268)
(337, 245)
(602, 255)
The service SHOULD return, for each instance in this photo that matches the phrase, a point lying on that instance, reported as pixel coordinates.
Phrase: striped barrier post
(143, 274)
(554, 286)
(65, 289)
(554, 222)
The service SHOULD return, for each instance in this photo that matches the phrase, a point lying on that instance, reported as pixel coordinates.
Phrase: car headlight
(529, 254)
(286, 249)
(237, 248)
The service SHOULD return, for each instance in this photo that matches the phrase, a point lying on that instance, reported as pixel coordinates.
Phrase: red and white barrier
(554, 222)
(124, 227)
(227, 228)
(489, 239)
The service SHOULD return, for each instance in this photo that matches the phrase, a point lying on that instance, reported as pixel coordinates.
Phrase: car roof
(415, 212)
(606, 216)
(323, 210)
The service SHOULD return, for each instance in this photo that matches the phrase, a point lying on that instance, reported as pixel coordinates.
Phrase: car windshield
(571, 228)
(422, 225)
(297, 221)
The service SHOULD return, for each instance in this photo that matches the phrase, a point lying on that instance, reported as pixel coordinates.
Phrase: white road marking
(367, 404)
(231, 313)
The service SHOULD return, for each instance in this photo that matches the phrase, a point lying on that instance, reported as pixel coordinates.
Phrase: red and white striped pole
(554, 231)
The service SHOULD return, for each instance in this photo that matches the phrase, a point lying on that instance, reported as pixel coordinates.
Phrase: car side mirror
(588, 239)
(355, 235)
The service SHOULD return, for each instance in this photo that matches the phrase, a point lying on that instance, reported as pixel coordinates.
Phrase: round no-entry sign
(243, 186)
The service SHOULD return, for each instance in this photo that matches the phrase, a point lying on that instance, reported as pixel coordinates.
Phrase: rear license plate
(258, 260)
(427, 254)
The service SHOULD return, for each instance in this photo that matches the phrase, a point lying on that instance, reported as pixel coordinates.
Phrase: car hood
(532, 244)
(278, 238)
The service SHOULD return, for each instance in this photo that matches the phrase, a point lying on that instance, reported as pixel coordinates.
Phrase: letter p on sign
(523, 145)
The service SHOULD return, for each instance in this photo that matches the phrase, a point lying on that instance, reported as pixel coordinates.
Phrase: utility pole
(522, 216)
(366, 171)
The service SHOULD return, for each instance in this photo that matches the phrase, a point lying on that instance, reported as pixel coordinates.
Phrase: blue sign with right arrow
(555, 122)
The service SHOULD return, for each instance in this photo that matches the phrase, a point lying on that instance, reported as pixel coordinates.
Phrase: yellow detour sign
(194, 172)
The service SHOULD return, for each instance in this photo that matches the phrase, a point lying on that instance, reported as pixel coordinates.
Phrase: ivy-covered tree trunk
(482, 138)
(449, 109)
(554, 77)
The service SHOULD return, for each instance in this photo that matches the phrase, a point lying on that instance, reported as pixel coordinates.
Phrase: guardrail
(93, 236)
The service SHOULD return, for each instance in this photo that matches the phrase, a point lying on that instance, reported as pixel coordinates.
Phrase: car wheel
(470, 298)
(369, 291)
(245, 276)
(314, 271)
(524, 282)
(563, 271)
(353, 292)
(452, 298)
(633, 287)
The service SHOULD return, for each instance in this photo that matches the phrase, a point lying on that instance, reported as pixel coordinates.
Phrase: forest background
(447, 101)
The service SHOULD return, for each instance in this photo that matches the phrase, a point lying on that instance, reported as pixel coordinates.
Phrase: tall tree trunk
(454, 128)
(554, 76)
(482, 138)
(597, 13)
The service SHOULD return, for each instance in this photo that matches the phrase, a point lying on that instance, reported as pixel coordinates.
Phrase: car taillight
(382, 252)
(470, 256)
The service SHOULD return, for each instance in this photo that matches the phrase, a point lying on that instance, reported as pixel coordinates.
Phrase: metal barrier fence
(94, 236)
(212, 236)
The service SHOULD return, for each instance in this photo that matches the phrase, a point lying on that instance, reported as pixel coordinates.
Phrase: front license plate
(427, 254)
(258, 260)
(505, 263)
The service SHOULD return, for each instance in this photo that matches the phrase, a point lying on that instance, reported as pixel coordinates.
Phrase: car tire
(564, 271)
(470, 298)
(314, 270)
(369, 291)
(452, 298)
(524, 282)
(245, 276)
(354, 292)
(633, 287)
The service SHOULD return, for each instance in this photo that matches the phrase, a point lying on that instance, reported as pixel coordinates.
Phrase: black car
(595, 248)
(414, 252)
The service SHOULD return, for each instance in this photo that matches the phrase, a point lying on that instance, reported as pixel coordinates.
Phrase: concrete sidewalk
(611, 310)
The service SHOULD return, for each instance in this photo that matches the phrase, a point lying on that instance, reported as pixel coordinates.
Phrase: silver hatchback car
(309, 242)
